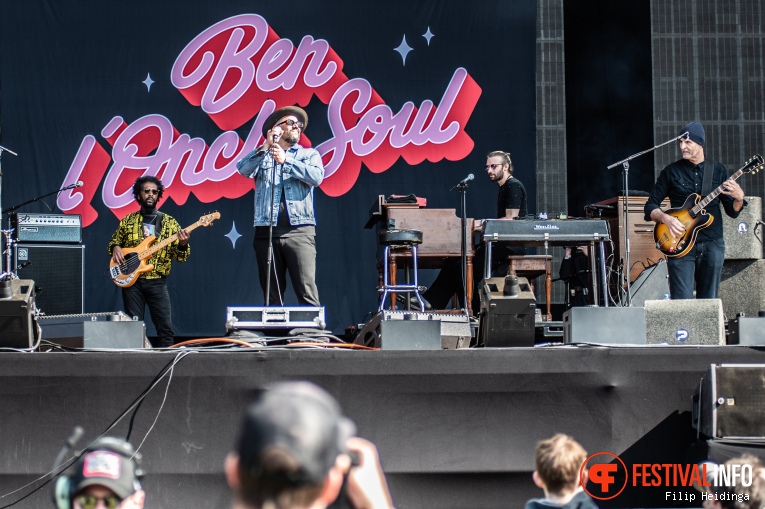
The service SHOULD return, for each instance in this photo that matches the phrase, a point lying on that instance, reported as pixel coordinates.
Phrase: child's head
(558, 461)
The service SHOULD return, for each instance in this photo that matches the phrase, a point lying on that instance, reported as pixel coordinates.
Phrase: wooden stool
(396, 239)
(530, 267)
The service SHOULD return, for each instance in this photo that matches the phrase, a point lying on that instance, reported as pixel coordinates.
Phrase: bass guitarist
(151, 287)
(702, 264)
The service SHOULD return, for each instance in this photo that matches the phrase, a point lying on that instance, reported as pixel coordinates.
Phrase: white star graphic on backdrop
(148, 82)
(233, 235)
(428, 36)
(403, 49)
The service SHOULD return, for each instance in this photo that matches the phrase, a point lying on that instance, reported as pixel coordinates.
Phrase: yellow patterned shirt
(130, 234)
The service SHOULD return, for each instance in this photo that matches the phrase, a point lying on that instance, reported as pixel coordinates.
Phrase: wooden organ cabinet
(643, 250)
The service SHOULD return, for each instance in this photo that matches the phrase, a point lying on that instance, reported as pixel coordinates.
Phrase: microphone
(79, 183)
(22, 265)
(466, 180)
(685, 136)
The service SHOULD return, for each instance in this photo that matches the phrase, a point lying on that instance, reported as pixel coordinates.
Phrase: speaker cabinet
(729, 401)
(685, 322)
(652, 284)
(95, 330)
(58, 273)
(643, 250)
(384, 331)
(742, 286)
(507, 320)
(17, 329)
(741, 243)
(747, 331)
(609, 326)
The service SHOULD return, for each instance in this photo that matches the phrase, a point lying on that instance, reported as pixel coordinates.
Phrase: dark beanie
(695, 132)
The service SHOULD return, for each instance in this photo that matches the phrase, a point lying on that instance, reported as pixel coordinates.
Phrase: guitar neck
(714, 194)
(172, 238)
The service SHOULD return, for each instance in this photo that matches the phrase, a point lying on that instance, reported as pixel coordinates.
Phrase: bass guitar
(125, 274)
(694, 216)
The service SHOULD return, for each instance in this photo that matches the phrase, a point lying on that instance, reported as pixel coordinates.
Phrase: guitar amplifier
(65, 228)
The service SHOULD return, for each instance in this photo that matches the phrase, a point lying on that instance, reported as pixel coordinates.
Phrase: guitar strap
(160, 216)
(706, 185)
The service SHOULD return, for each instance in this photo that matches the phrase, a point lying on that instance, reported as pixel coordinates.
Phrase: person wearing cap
(294, 450)
(106, 477)
(285, 176)
(702, 265)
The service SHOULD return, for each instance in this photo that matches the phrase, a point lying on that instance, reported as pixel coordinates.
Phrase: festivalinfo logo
(604, 476)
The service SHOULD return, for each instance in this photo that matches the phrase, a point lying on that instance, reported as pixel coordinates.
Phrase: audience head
(107, 475)
(558, 463)
(290, 441)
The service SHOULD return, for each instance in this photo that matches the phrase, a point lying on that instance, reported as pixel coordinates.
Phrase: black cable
(68, 463)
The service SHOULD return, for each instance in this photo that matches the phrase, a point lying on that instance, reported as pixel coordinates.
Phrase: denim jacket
(301, 172)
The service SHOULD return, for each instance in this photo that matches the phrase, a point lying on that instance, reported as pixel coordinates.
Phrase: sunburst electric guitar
(694, 216)
(125, 274)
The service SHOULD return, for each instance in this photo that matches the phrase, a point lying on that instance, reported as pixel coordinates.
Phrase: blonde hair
(558, 461)
(505, 156)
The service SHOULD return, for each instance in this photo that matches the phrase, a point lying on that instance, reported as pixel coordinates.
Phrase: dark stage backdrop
(402, 97)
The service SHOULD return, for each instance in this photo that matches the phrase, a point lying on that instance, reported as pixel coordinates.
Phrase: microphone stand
(5, 273)
(625, 163)
(462, 186)
(270, 257)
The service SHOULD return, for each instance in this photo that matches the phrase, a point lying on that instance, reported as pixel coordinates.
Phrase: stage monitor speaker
(652, 284)
(508, 312)
(685, 322)
(729, 401)
(94, 330)
(605, 326)
(741, 243)
(17, 325)
(58, 273)
(453, 331)
(742, 286)
(747, 331)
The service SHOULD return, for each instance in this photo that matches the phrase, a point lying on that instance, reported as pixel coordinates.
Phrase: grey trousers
(296, 255)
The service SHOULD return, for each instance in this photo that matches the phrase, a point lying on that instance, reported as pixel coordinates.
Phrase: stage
(455, 428)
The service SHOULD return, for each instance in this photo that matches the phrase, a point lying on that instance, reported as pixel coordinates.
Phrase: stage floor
(455, 428)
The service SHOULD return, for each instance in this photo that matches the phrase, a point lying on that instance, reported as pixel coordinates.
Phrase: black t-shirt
(681, 179)
(512, 195)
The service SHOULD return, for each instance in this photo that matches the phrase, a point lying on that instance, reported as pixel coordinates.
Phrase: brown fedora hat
(300, 113)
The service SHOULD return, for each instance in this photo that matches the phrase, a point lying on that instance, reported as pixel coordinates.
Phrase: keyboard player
(511, 204)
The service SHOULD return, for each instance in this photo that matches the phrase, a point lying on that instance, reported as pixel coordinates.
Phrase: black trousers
(151, 292)
(296, 255)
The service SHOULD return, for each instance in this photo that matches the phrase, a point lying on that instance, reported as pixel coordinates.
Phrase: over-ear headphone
(67, 484)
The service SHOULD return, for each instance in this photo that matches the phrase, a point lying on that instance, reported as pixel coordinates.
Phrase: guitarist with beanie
(151, 287)
(690, 233)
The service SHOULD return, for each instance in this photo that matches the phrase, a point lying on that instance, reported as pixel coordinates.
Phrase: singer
(702, 265)
(283, 169)
(511, 204)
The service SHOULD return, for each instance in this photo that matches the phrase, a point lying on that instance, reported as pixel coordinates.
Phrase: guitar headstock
(753, 165)
(207, 219)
